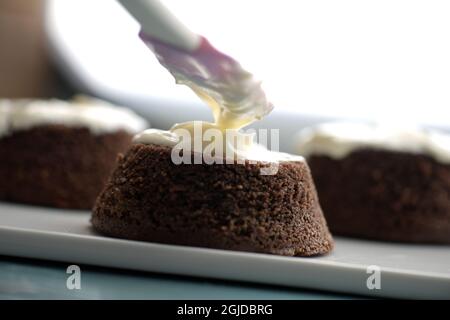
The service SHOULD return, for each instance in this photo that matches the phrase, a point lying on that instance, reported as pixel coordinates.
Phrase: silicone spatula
(193, 61)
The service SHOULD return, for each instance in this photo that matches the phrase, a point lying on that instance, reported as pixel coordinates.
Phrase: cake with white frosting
(223, 206)
(169, 189)
(381, 182)
(60, 153)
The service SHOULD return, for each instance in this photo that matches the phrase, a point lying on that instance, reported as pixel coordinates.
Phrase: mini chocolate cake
(380, 183)
(60, 154)
(224, 206)
(225, 200)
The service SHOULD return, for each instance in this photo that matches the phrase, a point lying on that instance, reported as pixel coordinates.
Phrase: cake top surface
(96, 115)
(253, 151)
(338, 139)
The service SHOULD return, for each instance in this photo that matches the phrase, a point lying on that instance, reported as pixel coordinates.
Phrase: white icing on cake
(98, 116)
(158, 137)
(234, 95)
(339, 139)
(251, 151)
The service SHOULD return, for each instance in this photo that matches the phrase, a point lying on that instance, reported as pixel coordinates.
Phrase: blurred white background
(387, 59)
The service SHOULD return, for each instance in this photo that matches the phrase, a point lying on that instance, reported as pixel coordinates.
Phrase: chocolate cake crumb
(385, 195)
(58, 166)
(223, 206)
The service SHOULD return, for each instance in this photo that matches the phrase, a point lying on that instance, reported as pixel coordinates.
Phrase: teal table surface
(32, 279)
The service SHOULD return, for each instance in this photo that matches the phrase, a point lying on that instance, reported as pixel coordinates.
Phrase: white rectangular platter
(406, 271)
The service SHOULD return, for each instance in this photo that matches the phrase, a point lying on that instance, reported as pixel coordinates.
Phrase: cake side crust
(58, 166)
(385, 195)
(224, 206)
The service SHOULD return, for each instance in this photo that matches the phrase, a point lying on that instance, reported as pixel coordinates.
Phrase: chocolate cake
(224, 206)
(60, 154)
(381, 183)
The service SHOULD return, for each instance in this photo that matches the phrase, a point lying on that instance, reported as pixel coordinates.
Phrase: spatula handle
(158, 22)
